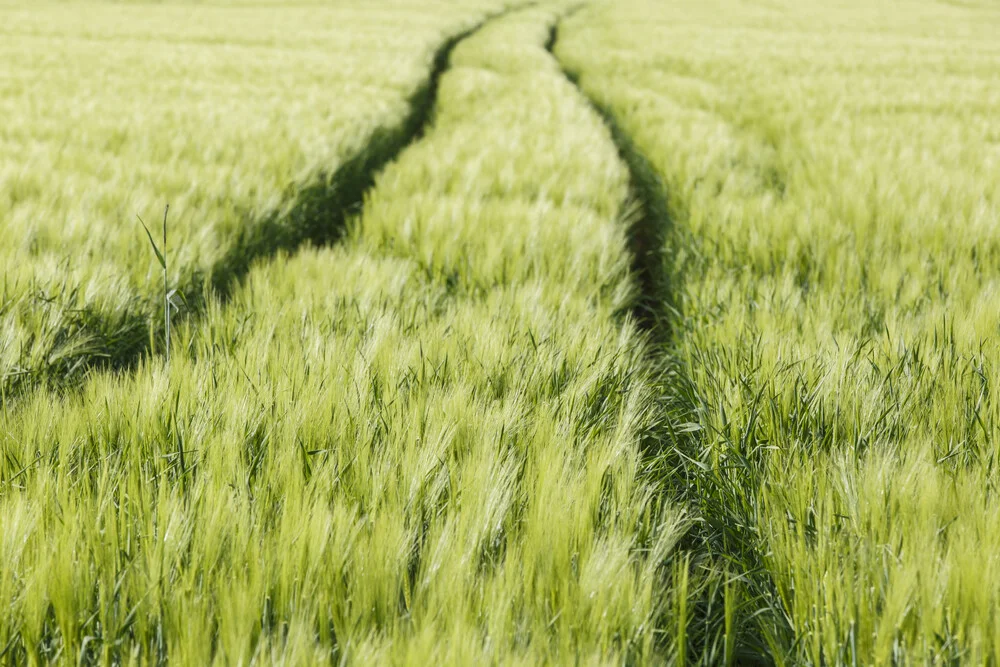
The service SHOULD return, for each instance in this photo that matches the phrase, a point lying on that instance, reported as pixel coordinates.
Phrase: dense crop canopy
(833, 179)
(612, 333)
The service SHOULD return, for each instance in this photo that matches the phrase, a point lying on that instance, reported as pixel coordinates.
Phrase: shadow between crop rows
(673, 444)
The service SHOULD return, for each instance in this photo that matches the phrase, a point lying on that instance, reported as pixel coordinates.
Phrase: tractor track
(656, 310)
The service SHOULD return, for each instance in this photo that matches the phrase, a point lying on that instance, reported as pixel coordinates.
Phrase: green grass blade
(159, 255)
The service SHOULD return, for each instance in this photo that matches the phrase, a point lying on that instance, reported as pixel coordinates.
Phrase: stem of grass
(166, 288)
(161, 257)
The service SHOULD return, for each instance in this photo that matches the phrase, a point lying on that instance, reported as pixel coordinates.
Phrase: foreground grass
(832, 182)
(257, 124)
(421, 446)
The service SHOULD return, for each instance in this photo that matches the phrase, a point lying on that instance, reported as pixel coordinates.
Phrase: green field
(502, 333)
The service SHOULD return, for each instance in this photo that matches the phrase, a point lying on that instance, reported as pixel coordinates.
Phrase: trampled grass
(832, 173)
(423, 445)
(252, 122)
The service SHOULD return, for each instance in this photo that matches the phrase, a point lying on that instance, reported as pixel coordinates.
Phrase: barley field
(497, 332)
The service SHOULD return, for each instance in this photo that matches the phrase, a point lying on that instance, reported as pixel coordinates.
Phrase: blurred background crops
(237, 116)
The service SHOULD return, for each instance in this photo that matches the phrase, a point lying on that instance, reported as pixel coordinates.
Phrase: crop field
(499, 332)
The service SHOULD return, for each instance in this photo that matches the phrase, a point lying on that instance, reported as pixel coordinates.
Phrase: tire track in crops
(656, 308)
(647, 214)
(320, 212)
(317, 214)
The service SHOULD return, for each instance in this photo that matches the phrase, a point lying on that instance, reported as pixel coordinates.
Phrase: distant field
(250, 121)
(504, 333)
